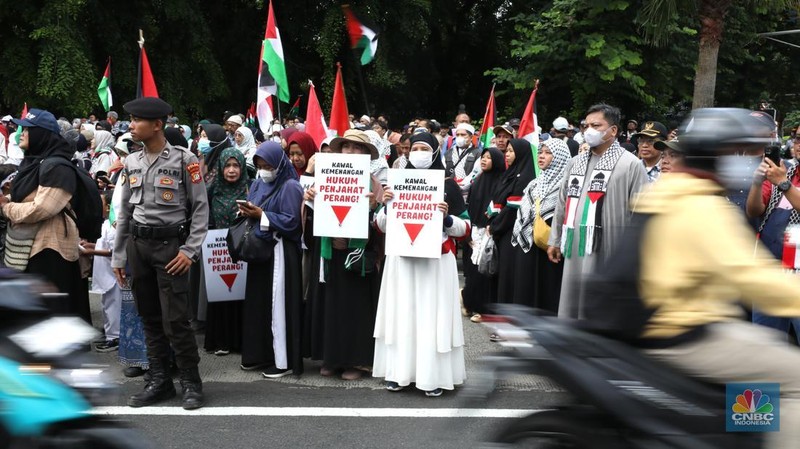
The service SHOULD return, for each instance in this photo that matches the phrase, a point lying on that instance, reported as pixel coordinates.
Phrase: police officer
(161, 227)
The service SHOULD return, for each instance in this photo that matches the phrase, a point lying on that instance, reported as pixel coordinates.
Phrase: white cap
(560, 124)
(7, 118)
(466, 127)
(364, 117)
(235, 118)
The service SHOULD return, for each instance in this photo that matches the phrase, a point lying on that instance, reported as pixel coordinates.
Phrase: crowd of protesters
(551, 213)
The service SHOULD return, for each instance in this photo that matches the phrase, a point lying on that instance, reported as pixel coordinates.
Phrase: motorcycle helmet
(712, 132)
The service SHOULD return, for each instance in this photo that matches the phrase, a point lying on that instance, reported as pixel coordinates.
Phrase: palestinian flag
(315, 121)
(295, 111)
(146, 84)
(104, 89)
(250, 119)
(362, 38)
(487, 129)
(527, 127)
(271, 74)
(18, 133)
(340, 118)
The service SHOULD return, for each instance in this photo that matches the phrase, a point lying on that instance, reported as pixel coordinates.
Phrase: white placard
(307, 182)
(413, 219)
(225, 280)
(341, 205)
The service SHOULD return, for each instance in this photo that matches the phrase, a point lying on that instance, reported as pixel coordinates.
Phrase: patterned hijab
(543, 189)
(224, 194)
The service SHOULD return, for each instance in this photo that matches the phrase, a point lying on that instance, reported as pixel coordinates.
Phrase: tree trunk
(712, 21)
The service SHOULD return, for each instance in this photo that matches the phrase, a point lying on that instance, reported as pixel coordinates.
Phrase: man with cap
(560, 128)
(630, 129)
(672, 156)
(502, 135)
(160, 228)
(644, 141)
(459, 160)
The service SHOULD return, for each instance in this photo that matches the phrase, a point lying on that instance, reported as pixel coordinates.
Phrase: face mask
(736, 172)
(462, 142)
(267, 175)
(204, 146)
(594, 137)
(420, 159)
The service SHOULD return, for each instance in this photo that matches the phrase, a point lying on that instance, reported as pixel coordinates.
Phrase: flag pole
(361, 82)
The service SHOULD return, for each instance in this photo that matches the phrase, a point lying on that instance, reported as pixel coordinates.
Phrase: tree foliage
(433, 55)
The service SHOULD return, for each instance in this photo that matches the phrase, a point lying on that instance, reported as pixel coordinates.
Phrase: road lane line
(343, 412)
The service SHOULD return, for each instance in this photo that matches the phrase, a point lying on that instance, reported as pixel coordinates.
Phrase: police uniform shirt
(167, 192)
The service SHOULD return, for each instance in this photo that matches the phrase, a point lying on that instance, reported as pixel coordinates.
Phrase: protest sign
(225, 280)
(306, 182)
(413, 218)
(341, 206)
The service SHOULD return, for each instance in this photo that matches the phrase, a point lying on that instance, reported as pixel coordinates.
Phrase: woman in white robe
(418, 331)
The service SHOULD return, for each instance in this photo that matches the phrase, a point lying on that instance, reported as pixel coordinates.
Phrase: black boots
(192, 389)
(158, 388)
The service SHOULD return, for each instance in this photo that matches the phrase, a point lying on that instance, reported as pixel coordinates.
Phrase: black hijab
(218, 139)
(43, 164)
(452, 192)
(480, 194)
(519, 174)
(175, 137)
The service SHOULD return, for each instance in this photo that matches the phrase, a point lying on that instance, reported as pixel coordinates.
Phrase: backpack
(87, 207)
(614, 305)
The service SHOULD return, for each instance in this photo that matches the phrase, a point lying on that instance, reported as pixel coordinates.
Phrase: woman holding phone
(271, 325)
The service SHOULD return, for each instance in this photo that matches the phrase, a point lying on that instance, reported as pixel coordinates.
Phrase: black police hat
(656, 130)
(148, 108)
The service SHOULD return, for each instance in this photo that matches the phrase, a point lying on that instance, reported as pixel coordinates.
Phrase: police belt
(160, 232)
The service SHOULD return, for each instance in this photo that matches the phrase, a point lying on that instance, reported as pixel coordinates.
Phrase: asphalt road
(244, 410)
(188, 430)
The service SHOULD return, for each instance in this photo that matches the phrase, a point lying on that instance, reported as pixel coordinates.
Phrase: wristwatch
(784, 186)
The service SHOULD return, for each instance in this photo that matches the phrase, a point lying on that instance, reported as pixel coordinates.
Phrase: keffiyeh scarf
(543, 189)
(590, 226)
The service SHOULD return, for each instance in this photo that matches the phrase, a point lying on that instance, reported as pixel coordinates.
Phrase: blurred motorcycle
(46, 389)
(620, 397)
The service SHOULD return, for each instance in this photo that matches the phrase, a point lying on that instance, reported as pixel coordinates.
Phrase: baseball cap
(41, 119)
(560, 124)
(504, 127)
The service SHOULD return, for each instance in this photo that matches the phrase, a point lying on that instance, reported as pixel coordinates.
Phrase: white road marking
(366, 412)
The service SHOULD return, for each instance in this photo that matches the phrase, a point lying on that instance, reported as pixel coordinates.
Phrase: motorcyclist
(697, 261)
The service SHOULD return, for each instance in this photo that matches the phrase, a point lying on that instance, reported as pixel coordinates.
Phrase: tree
(711, 15)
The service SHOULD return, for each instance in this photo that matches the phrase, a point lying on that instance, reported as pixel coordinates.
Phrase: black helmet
(711, 132)
(707, 130)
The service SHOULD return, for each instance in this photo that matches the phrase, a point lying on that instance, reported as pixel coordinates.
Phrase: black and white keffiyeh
(543, 189)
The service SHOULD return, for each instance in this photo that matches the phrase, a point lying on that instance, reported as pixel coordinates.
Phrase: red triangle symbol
(341, 212)
(229, 279)
(413, 230)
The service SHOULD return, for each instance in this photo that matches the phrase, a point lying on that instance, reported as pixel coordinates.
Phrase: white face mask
(594, 137)
(736, 172)
(267, 175)
(420, 159)
(462, 142)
